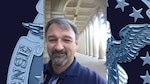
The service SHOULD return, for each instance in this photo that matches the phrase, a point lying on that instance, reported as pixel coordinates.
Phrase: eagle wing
(133, 38)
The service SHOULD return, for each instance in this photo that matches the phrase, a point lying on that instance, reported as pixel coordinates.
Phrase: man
(62, 42)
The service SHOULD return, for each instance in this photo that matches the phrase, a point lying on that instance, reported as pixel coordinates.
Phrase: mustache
(59, 52)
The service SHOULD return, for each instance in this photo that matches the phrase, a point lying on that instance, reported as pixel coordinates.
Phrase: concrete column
(46, 19)
(103, 38)
(87, 41)
(91, 39)
(55, 14)
(79, 50)
(84, 40)
(96, 37)
(82, 46)
(95, 40)
(79, 44)
(57, 8)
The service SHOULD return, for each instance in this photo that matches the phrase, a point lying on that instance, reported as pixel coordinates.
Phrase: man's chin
(59, 62)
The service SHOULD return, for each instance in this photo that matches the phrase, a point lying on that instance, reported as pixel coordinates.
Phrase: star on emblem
(121, 4)
(136, 14)
(146, 59)
(40, 78)
(146, 78)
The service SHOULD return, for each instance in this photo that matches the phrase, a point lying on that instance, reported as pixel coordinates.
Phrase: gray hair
(64, 23)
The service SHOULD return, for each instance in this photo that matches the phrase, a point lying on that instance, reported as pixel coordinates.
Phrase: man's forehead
(58, 30)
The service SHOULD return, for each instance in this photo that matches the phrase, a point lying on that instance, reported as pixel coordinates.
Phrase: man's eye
(52, 40)
(67, 40)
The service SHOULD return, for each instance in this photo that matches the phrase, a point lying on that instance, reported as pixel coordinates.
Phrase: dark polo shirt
(75, 74)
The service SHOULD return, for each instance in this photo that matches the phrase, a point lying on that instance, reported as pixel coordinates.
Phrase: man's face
(61, 44)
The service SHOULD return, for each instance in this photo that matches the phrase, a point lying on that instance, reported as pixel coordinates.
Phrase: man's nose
(59, 46)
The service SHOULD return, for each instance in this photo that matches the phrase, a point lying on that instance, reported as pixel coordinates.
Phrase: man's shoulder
(90, 74)
(87, 71)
